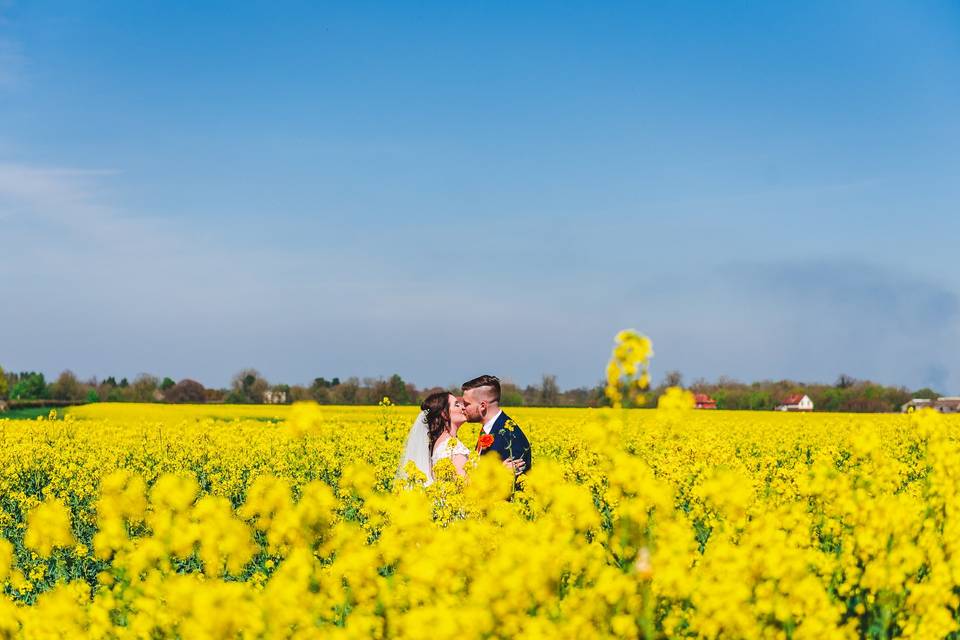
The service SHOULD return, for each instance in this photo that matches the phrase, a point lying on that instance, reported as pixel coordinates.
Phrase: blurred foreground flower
(48, 526)
(628, 369)
(675, 399)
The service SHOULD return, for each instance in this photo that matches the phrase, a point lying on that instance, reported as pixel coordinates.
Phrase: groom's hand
(517, 466)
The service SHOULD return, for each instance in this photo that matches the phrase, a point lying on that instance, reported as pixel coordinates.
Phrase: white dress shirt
(488, 425)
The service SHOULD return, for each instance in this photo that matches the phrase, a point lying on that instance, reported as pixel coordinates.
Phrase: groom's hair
(493, 382)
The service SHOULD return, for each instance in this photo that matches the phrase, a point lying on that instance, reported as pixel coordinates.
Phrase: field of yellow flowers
(231, 521)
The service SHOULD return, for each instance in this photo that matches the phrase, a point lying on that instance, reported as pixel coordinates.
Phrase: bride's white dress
(447, 449)
(417, 450)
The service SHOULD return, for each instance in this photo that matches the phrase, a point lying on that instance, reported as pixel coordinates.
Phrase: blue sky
(446, 189)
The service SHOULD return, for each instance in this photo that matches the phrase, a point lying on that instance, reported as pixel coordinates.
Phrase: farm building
(943, 405)
(796, 402)
(915, 404)
(703, 401)
(947, 405)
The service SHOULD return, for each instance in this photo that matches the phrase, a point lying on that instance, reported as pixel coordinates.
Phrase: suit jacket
(509, 443)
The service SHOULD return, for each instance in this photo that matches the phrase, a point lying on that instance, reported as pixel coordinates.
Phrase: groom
(481, 403)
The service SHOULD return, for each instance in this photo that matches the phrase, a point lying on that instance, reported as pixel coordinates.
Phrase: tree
(247, 386)
(510, 395)
(673, 379)
(346, 392)
(320, 395)
(166, 384)
(398, 392)
(217, 395)
(144, 388)
(549, 391)
(4, 385)
(67, 387)
(831, 400)
(844, 381)
(298, 393)
(323, 383)
(926, 393)
(760, 401)
(186, 391)
(30, 386)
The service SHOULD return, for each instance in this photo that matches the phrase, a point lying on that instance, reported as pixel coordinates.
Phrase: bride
(433, 436)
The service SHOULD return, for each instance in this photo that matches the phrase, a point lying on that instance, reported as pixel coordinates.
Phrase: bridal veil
(417, 449)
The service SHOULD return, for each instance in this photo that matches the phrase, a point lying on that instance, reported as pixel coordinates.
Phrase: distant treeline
(846, 394)
(248, 386)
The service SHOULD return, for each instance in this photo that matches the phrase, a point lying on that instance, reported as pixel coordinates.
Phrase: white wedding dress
(447, 449)
(417, 450)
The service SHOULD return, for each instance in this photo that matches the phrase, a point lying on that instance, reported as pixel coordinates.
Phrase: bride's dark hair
(437, 406)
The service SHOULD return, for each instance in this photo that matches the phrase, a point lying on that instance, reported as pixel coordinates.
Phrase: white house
(796, 402)
(276, 396)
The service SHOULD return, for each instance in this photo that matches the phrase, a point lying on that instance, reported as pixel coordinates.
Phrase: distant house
(947, 405)
(703, 401)
(943, 405)
(796, 402)
(275, 396)
(915, 404)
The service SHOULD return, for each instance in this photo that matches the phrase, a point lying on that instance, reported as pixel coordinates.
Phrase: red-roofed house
(703, 401)
(796, 402)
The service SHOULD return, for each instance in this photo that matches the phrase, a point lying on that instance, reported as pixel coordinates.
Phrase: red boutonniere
(485, 441)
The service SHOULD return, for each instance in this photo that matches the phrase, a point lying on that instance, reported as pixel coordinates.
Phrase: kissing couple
(433, 435)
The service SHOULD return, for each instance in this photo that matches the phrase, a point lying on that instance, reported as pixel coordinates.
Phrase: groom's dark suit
(508, 443)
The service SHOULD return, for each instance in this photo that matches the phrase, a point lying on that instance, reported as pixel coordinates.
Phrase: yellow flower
(6, 558)
(212, 521)
(675, 399)
(48, 526)
(628, 367)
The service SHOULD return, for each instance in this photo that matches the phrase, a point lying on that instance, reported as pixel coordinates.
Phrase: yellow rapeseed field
(221, 522)
(151, 521)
